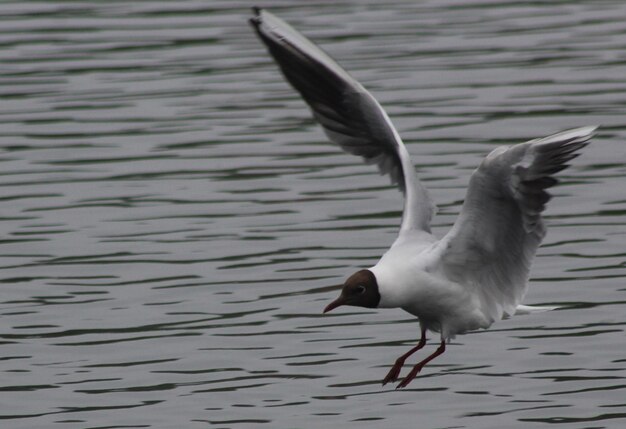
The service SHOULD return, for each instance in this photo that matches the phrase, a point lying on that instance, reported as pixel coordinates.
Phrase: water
(173, 220)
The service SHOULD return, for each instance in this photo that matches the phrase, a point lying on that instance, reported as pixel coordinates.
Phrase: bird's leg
(397, 366)
(417, 368)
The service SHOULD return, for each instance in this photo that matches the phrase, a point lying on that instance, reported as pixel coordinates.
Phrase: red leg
(397, 366)
(417, 368)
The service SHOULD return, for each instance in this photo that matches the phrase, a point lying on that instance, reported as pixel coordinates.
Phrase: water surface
(173, 220)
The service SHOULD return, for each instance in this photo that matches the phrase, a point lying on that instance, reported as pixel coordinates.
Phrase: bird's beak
(336, 303)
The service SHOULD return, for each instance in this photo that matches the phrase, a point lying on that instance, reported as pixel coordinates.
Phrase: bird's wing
(491, 246)
(350, 116)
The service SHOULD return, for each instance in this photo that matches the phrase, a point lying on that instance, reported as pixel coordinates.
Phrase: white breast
(406, 280)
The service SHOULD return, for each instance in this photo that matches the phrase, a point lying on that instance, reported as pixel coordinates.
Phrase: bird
(478, 272)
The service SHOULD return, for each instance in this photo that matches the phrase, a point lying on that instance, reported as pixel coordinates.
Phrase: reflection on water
(174, 220)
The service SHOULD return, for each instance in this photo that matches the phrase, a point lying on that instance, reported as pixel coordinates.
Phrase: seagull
(475, 274)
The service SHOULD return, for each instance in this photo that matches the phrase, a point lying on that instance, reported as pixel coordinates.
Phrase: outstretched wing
(348, 113)
(491, 246)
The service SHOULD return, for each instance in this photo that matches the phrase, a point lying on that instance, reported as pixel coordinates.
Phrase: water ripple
(174, 221)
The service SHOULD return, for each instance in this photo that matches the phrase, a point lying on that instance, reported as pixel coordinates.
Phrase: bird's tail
(529, 309)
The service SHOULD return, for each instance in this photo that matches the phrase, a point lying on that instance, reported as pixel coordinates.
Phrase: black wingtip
(255, 21)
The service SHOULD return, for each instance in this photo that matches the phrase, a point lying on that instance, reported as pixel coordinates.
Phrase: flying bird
(478, 272)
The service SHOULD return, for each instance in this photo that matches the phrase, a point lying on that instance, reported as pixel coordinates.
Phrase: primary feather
(350, 116)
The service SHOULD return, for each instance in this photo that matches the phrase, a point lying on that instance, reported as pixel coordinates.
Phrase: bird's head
(360, 290)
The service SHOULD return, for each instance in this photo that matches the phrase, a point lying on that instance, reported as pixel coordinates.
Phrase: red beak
(336, 303)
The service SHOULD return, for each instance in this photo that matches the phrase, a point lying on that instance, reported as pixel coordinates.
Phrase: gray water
(173, 221)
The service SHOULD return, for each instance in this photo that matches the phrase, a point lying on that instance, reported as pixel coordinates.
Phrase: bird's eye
(360, 290)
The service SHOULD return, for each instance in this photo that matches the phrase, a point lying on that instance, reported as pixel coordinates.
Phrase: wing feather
(350, 116)
(491, 246)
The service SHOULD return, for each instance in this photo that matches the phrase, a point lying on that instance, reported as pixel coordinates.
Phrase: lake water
(173, 221)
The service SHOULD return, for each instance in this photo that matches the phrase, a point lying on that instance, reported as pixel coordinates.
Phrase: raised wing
(491, 246)
(350, 116)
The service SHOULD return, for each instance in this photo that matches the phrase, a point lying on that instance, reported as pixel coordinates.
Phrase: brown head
(361, 290)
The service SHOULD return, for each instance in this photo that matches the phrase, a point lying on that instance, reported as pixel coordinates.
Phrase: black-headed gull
(478, 272)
